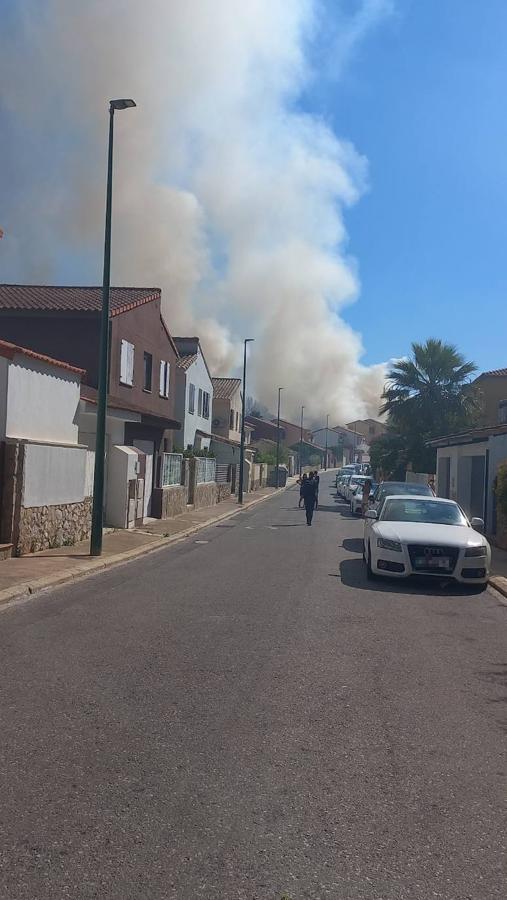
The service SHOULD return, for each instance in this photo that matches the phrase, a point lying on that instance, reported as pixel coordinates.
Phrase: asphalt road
(244, 716)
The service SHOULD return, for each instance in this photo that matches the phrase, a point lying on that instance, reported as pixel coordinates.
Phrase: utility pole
(100, 440)
(301, 444)
(278, 440)
(327, 427)
(243, 404)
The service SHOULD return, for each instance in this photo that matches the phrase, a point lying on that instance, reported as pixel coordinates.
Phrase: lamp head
(121, 104)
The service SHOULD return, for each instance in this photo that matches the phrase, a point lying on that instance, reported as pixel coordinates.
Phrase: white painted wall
(4, 377)
(42, 402)
(196, 374)
(53, 475)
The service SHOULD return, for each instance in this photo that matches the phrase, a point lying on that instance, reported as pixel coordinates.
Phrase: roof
(472, 435)
(90, 394)
(225, 388)
(185, 362)
(494, 373)
(63, 298)
(9, 351)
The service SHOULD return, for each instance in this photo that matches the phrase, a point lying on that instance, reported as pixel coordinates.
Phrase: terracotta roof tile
(61, 298)
(9, 351)
(225, 388)
(495, 373)
(185, 362)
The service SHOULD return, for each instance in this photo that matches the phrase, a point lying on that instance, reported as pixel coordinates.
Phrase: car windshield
(431, 512)
(405, 487)
(358, 479)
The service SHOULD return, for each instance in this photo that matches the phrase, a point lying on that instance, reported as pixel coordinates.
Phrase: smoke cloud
(226, 195)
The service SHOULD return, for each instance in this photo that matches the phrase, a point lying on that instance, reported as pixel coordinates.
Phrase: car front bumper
(467, 570)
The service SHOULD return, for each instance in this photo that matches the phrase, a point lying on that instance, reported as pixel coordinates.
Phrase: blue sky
(424, 98)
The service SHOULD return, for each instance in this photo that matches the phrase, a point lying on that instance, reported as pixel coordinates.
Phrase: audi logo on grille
(433, 551)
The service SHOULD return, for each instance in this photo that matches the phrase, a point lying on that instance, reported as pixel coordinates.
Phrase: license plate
(432, 562)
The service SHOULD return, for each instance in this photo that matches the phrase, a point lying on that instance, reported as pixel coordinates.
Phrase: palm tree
(428, 395)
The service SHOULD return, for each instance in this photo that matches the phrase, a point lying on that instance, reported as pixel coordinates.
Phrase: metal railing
(205, 469)
(170, 470)
(222, 474)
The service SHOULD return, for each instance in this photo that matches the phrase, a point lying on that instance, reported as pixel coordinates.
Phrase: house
(46, 475)
(492, 387)
(467, 467)
(368, 428)
(194, 394)
(348, 446)
(64, 323)
(263, 429)
(227, 401)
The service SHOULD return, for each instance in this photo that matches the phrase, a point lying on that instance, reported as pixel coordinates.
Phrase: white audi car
(425, 536)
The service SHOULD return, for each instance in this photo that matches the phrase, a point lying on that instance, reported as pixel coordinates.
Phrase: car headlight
(385, 544)
(476, 551)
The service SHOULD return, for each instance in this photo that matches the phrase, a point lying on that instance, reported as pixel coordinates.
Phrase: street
(243, 715)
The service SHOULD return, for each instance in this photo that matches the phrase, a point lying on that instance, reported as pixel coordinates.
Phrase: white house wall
(53, 475)
(196, 374)
(42, 402)
(4, 375)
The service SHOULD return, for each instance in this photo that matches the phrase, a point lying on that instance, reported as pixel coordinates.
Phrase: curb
(500, 584)
(28, 588)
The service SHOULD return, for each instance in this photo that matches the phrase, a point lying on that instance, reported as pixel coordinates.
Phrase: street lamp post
(327, 426)
(301, 444)
(242, 450)
(278, 441)
(100, 443)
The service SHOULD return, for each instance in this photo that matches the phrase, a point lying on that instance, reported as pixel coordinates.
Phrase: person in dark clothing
(301, 482)
(308, 490)
(316, 479)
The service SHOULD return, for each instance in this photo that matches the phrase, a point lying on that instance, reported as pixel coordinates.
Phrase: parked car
(344, 483)
(388, 488)
(350, 469)
(353, 483)
(356, 500)
(425, 536)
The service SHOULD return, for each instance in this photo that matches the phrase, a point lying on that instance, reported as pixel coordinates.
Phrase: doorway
(148, 448)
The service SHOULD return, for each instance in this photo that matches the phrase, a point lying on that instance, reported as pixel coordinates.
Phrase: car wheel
(370, 574)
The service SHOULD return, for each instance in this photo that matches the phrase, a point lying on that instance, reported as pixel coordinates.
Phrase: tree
(429, 395)
(388, 457)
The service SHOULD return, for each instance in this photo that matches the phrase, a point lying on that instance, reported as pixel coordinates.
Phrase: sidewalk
(499, 570)
(25, 575)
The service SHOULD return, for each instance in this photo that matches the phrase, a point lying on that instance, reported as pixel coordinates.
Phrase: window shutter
(161, 389)
(123, 361)
(130, 367)
(167, 377)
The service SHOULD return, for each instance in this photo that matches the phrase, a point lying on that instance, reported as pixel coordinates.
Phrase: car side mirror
(371, 513)
(477, 524)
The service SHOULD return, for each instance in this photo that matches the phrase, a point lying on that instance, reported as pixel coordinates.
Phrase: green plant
(501, 488)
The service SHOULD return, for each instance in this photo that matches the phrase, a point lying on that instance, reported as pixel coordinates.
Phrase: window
(165, 369)
(237, 421)
(127, 363)
(148, 369)
(199, 403)
(231, 420)
(191, 398)
(205, 405)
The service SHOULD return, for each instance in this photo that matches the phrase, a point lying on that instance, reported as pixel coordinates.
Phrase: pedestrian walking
(308, 489)
(301, 482)
(316, 479)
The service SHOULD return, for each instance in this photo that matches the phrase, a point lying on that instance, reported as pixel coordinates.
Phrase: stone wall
(168, 502)
(44, 527)
(205, 494)
(223, 492)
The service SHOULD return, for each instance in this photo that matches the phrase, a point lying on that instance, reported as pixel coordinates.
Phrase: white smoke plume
(225, 195)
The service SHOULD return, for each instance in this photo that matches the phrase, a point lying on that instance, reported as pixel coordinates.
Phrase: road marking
(273, 527)
(201, 542)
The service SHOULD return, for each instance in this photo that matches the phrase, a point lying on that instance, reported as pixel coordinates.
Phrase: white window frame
(191, 399)
(199, 402)
(127, 363)
(165, 370)
(205, 404)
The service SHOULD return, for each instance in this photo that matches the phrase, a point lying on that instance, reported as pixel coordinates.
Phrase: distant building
(493, 389)
(194, 394)
(226, 421)
(369, 429)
